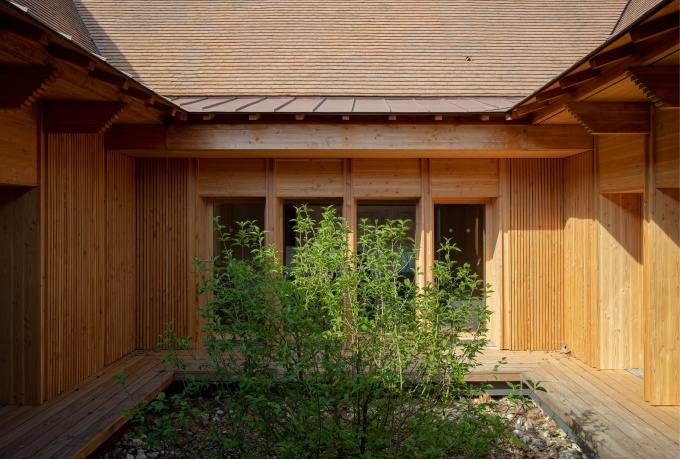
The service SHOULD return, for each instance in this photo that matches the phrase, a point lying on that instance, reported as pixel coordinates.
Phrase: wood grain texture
(121, 264)
(19, 152)
(386, 178)
(164, 212)
(75, 263)
(581, 330)
(667, 148)
(20, 307)
(619, 281)
(620, 163)
(231, 177)
(534, 317)
(309, 178)
(457, 178)
(663, 366)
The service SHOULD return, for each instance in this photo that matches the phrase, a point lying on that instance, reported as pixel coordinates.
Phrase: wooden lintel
(138, 94)
(656, 27)
(80, 117)
(609, 57)
(532, 107)
(69, 55)
(111, 78)
(24, 85)
(660, 84)
(551, 94)
(23, 29)
(612, 117)
(341, 137)
(578, 77)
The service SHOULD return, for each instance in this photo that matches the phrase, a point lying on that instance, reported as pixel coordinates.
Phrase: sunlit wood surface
(605, 408)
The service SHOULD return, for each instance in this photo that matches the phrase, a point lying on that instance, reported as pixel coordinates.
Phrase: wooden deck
(604, 408)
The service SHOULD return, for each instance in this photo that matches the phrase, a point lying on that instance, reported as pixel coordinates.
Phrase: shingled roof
(62, 16)
(381, 48)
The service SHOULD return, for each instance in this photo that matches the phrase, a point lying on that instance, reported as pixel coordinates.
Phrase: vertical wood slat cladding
(75, 232)
(533, 307)
(164, 212)
(581, 327)
(619, 275)
(89, 258)
(20, 366)
(620, 163)
(120, 314)
(19, 146)
(663, 366)
(667, 159)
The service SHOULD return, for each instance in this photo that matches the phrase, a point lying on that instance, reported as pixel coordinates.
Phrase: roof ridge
(87, 30)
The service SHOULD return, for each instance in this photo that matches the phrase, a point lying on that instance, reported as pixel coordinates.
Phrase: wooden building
(565, 197)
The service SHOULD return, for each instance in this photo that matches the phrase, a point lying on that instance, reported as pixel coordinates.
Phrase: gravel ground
(544, 438)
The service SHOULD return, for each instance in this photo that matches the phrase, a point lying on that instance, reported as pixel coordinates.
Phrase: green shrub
(341, 354)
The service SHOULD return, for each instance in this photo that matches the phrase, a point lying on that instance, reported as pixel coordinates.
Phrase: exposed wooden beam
(69, 55)
(80, 117)
(528, 108)
(333, 139)
(660, 84)
(166, 109)
(648, 53)
(551, 94)
(24, 85)
(612, 117)
(578, 77)
(23, 29)
(111, 78)
(609, 57)
(656, 27)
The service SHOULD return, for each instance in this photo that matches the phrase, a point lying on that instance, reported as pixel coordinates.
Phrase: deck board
(606, 408)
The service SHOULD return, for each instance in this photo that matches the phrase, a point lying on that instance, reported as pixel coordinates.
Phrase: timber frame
(107, 194)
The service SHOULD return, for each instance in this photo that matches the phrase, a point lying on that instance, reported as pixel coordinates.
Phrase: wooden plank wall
(662, 257)
(581, 326)
(87, 258)
(620, 163)
(166, 246)
(533, 255)
(21, 355)
(620, 281)
(19, 146)
(666, 156)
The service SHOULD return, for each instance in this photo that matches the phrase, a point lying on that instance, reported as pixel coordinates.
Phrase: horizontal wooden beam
(338, 139)
(609, 57)
(656, 27)
(660, 84)
(612, 117)
(528, 108)
(110, 78)
(22, 86)
(80, 117)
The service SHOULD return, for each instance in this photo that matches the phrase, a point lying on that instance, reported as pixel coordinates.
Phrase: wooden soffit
(80, 117)
(349, 140)
(22, 86)
(660, 84)
(611, 117)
